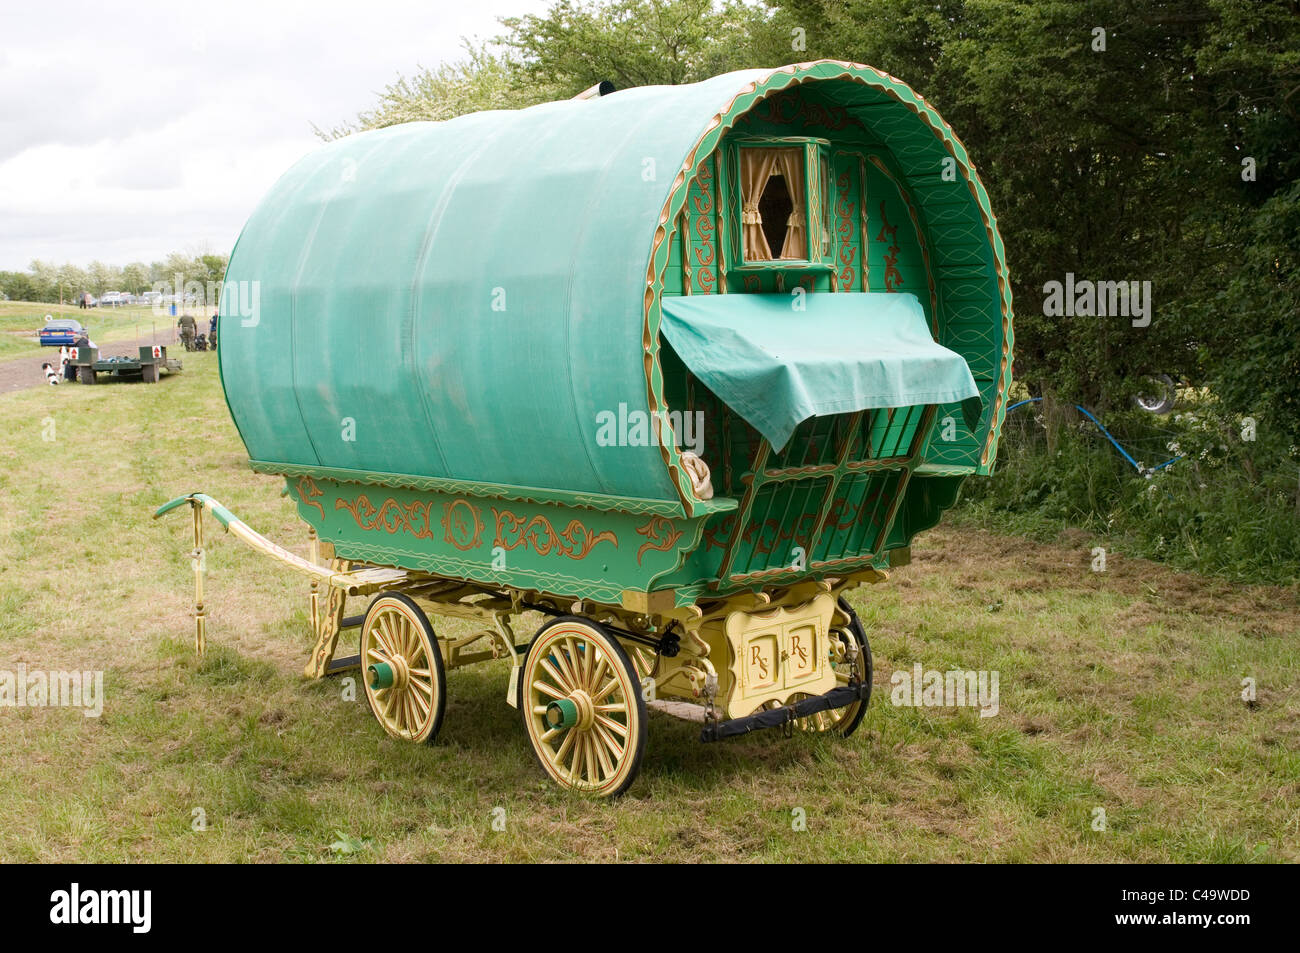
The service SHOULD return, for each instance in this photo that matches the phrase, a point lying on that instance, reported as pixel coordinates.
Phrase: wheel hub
(576, 711)
(395, 674)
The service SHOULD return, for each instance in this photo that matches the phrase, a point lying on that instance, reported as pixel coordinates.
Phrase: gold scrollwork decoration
(537, 533)
(661, 535)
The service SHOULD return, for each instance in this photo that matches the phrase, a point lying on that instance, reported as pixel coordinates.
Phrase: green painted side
(559, 550)
(491, 491)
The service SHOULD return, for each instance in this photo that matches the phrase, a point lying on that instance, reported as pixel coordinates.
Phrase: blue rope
(1106, 433)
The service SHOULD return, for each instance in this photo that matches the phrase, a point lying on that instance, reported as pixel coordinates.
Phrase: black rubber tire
(1164, 403)
(864, 646)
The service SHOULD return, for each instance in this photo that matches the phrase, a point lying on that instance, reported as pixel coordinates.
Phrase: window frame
(816, 200)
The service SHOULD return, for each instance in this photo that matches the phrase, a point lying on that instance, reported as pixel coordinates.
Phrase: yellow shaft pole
(315, 584)
(197, 558)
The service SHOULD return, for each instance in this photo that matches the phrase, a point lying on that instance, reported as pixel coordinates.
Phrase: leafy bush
(1228, 505)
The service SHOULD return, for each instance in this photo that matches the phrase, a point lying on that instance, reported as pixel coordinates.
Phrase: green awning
(777, 365)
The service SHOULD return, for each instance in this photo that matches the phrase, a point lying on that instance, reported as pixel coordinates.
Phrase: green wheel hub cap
(381, 676)
(562, 713)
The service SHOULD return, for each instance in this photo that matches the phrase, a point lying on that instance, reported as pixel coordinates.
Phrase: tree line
(46, 281)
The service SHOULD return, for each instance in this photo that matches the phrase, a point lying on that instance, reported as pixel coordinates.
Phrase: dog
(200, 343)
(51, 375)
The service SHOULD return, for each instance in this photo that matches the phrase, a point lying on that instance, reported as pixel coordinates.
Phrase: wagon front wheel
(582, 707)
(402, 670)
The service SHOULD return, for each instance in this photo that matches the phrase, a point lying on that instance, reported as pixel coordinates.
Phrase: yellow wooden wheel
(402, 669)
(582, 706)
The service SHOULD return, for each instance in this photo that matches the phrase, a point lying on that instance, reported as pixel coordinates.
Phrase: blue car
(64, 331)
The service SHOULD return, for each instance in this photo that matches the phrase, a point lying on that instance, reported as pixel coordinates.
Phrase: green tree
(483, 80)
(570, 48)
(631, 42)
(135, 278)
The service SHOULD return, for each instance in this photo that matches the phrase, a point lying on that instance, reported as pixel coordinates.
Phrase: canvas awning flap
(778, 359)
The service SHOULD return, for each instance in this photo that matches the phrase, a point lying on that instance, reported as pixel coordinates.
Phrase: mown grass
(21, 320)
(1119, 690)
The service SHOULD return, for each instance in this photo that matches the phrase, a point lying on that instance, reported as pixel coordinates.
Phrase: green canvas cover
(463, 300)
(779, 359)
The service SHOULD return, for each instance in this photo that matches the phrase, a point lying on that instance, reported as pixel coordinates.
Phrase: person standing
(187, 326)
(212, 332)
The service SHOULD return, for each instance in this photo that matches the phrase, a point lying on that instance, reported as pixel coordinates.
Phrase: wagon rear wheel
(402, 670)
(582, 707)
(843, 721)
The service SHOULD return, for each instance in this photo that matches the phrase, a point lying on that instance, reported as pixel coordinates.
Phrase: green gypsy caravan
(674, 366)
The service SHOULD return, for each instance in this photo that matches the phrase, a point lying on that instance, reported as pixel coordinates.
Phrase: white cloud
(127, 132)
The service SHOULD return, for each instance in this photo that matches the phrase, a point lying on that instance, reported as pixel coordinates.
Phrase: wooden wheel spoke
(381, 638)
(608, 742)
(560, 680)
(609, 723)
(548, 689)
(579, 756)
(551, 734)
(601, 760)
(565, 666)
(386, 624)
(598, 670)
(605, 690)
(578, 661)
(565, 747)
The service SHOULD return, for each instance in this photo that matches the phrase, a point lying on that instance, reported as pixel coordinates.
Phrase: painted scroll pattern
(308, 491)
(893, 277)
(661, 536)
(785, 109)
(462, 526)
(537, 533)
(390, 516)
(703, 243)
(846, 230)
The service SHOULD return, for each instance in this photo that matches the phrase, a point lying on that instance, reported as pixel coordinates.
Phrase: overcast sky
(130, 130)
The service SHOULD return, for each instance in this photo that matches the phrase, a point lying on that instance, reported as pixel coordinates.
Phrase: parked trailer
(150, 364)
(674, 366)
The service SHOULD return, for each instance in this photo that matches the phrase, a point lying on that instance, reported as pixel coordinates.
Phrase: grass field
(1119, 690)
(20, 320)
